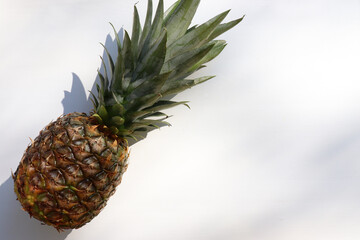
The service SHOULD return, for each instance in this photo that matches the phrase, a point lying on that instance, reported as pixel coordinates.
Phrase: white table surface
(269, 151)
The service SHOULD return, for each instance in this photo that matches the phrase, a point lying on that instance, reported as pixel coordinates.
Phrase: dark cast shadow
(78, 99)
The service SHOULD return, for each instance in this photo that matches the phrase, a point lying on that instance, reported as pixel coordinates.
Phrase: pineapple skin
(70, 170)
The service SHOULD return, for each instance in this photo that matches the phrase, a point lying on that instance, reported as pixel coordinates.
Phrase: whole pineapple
(70, 170)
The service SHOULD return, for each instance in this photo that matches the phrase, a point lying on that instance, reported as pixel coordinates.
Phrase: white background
(269, 151)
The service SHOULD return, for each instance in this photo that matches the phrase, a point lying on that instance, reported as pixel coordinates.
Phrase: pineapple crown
(153, 64)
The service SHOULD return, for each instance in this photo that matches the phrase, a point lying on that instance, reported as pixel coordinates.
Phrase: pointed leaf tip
(116, 37)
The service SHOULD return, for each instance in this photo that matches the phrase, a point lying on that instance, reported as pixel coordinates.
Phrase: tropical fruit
(69, 171)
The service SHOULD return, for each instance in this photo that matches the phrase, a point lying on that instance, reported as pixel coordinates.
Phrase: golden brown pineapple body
(70, 170)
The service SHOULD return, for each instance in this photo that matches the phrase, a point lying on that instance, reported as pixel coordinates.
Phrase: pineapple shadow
(79, 99)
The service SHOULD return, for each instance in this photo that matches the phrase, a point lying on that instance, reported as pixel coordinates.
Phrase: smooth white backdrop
(270, 149)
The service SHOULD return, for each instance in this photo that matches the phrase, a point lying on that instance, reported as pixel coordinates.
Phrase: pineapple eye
(96, 198)
(92, 162)
(38, 181)
(74, 170)
(54, 216)
(86, 185)
(57, 177)
(101, 180)
(69, 195)
(65, 152)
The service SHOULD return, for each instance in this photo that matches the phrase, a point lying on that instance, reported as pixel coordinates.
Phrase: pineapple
(68, 173)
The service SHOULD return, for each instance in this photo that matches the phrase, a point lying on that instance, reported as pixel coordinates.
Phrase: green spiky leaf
(179, 18)
(110, 60)
(195, 38)
(117, 80)
(118, 121)
(154, 63)
(224, 27)
(151, 61)
(151, 86)
(174, 87)
(217, 48)
(102, 112)
(180, 65)
(118, 41)
(147, 24)
(136, 32)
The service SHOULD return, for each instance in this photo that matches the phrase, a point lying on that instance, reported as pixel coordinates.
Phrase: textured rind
(69, 171)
